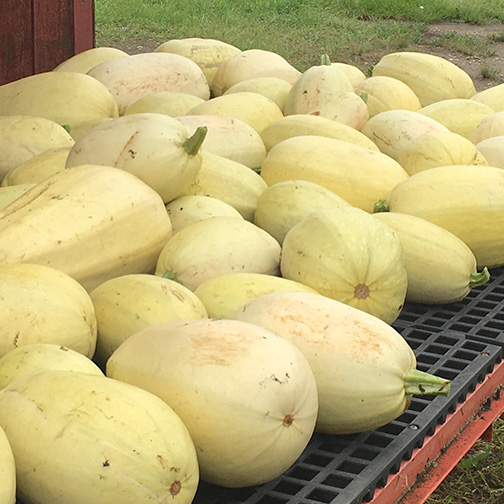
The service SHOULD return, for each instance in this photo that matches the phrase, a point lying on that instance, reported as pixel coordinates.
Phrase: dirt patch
(476, 66)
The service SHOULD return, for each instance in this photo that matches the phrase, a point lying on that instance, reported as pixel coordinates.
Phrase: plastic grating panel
(480, 316)
(347, 469)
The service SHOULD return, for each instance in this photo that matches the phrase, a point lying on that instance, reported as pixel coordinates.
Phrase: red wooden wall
(37, 35)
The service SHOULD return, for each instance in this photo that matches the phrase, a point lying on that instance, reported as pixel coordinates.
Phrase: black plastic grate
(348, 469)
(480, 316)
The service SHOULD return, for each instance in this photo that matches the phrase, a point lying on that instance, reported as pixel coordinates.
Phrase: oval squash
(129, 303)
(253, 391)
(466, 200)
(132, 447)
(36, 357)
(356, 174)
(7, 471)
(348, 255)
(364, 369)
(441, 267)
(82, 221)
(44, 305)
(215, 246)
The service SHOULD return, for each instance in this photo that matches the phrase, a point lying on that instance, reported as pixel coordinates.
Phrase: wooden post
(37, 35)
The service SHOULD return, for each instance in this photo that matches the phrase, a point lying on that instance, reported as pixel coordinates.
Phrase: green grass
(298, 30)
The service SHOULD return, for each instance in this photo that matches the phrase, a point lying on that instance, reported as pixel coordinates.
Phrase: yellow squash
(466, 200)
(7, 471)
(348, 255)
(356, 174)
(131, 446)
(441, 267)
(247, 396)
(44, 305)
(365, 371)
(92, 222)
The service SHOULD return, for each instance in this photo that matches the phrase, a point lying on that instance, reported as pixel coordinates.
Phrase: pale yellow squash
(185, 210)
(493, 150)
(348, 255)
(38, 168)
(382, 93)
(44, 305)
(216, 246)
(229, 181)
(229, 138)
(273, 88)
(253, 109)
(225, 294)
(315, 87)
(164, 102)
(24, 137)
(10, 193)
(127, 304)
(432, 78)
(83, 61)
(364, 369)
(156, 148)
(131, 446)
(441, 267)
(439, 148)
(394, 130)
(129, 79)
(281, 206)
(247, 396)
(306, 124)
(67, 98)
(355, 74)
(207, 53)
(251, 64)
(92, 222)
(466, 200)
(7, 471)
(459, 115)
(359, 175)
(492, 96)
(490, 126)
(38, 357)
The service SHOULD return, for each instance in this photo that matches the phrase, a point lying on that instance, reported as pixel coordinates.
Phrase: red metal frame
(418, 477)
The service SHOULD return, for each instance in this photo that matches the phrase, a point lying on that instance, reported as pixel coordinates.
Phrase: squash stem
(193, 143)
(325, 60)
(420, 383)
(478, 279)
(381, 206)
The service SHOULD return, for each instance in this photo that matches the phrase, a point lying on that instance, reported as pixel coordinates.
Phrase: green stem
(381, 206)
(478, 279)
(193, 143)
(420, 383)
(171, 275)
(325, 60)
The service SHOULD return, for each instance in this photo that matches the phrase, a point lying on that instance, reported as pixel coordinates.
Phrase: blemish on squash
(175, 487)
(288, 420)
(361, 291)
(106, 463)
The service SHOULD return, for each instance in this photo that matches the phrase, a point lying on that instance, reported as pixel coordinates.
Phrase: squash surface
(247, 396)
(348, 255)
(92, 222)
(466, 200)
(132, 447)
(7, 471)
(44, 305)
(361, 364)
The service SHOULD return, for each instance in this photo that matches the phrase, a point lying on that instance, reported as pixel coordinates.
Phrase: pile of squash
(202, 251)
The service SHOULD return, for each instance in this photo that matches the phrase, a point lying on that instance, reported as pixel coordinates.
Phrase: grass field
(298, 30)
(301, 31)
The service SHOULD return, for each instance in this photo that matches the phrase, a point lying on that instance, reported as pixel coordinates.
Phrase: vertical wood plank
(84, 24)
(53, 33)
(16, 40)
